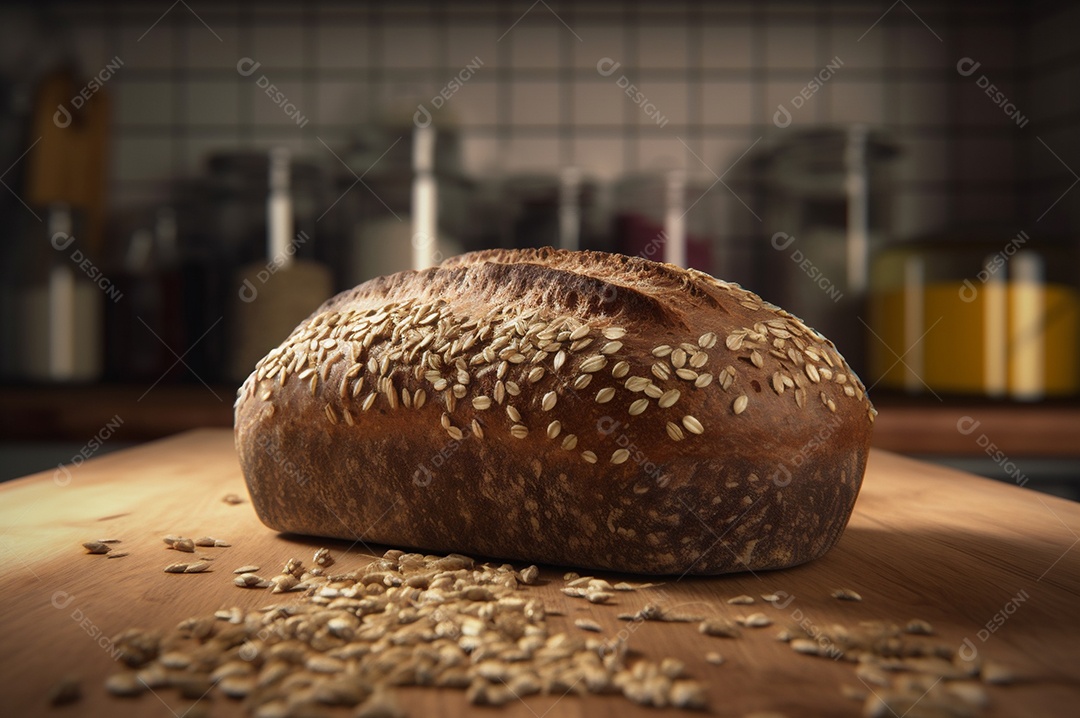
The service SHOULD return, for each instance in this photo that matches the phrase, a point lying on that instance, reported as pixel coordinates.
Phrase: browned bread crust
(575, 408)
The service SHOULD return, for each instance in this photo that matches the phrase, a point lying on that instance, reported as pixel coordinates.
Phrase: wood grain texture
(923, 542)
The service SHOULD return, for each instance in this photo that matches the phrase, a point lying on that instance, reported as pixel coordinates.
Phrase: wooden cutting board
(924, 542)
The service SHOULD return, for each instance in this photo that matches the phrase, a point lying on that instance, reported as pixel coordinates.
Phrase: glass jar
(827, 214)
(997, 318)
(668, 217)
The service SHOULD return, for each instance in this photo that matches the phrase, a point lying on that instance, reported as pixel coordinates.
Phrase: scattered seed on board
(64, 691)
(116, 554)
(124, 684)
(719, 627)
(246, 569)
(250, 580)
(529, 575)
(96, 547)
(996, 673)
(180, 544)
(919, 627)
(755, 620)
(846, 594)
(587, 624)
(232, 499)
(714, 658)
(742, 600)
(176, 568)
(197, 567)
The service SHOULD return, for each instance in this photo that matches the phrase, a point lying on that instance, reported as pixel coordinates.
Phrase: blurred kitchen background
(184, 182)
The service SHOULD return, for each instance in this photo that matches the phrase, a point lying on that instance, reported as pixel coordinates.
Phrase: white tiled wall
(716, 71)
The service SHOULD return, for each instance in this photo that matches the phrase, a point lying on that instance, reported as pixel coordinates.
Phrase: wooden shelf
(77, 413)
(977, 428)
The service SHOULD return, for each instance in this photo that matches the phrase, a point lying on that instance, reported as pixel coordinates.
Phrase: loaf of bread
(576, 408)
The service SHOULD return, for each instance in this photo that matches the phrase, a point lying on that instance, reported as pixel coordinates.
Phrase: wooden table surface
(961, 552)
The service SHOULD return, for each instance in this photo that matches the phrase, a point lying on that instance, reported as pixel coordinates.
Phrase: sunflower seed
(741, 600)
(549, 400)
(579, 333)
(719, 627)
(246, 569)
(64, 691)
(614, 333)
(755, 620)
(593, 364)
(846, 594)
(919, 627)
(553, 429)
(739, 405)
(692, 425)
(97, 547)
(197, 567)
(124, 684)
(668, 398)
(587, 624)
(176, 568)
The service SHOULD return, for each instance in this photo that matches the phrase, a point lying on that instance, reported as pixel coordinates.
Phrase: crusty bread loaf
(574, 408)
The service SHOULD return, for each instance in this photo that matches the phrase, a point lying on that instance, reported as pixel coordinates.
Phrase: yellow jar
(994, 319)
